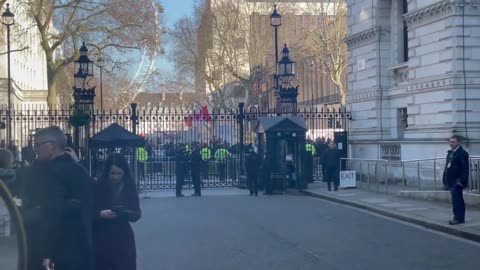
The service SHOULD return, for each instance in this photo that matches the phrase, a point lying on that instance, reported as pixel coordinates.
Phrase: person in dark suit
(196, 163)
(252, 164)
(267, 165)
(455, 178)
(181, 167)
(116, 206)
(331, 163)
(58, 206)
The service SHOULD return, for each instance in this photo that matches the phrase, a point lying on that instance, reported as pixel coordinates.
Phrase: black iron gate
(166, 130)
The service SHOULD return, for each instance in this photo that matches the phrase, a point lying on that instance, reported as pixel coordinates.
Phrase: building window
(405, 31)
(402, 124)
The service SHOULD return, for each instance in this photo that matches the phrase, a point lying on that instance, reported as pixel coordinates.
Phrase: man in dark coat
(252, 164)
(266, 172)
(58, 208)
(181, 167)
(455, 178)
(331, 163)
(195, 168)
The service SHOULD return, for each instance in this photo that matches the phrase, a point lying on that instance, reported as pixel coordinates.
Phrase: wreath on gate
(79, 118)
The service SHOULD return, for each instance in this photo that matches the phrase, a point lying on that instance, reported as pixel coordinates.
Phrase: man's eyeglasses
(37, 145)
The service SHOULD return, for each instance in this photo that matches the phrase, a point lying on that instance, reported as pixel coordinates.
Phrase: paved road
(286, 233)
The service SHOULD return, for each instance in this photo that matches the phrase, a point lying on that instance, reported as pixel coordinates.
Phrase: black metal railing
(167, 129)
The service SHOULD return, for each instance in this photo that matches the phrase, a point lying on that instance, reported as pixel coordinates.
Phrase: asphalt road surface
(287, 232)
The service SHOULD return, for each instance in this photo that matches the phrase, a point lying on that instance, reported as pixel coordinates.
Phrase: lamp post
(8, 19)
(276, 21)
(101, 64)
(286, 73)
(240, 120)
(83, 94)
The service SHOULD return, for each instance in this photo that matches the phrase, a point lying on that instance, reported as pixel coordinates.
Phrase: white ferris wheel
(146, 68)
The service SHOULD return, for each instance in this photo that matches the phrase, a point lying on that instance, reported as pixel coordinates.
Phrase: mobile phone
(69, 141)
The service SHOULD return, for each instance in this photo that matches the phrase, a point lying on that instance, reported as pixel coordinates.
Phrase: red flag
(205, 113)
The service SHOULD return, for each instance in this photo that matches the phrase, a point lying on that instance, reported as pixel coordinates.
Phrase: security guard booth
(284, 138)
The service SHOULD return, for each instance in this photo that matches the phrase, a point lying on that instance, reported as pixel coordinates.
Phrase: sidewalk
(432, 215)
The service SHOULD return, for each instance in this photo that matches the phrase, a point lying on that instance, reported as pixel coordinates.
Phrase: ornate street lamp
(82, 93)
(286, 68)
(8, 19)
(83, 96)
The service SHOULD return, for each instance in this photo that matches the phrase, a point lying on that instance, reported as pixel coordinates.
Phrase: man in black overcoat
(455, 178)
(196, 163)
(58, 207)
(252, 165)
(181, 167)
(331, 163)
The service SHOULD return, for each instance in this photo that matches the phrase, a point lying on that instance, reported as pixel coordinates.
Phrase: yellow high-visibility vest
(142, 154)
(310, 148)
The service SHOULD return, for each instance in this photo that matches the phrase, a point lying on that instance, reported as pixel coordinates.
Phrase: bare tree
(113, 27)
(325, 43)
(220, 46)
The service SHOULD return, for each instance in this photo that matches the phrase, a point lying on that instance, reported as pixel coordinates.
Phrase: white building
(414, 77)
(27, 61)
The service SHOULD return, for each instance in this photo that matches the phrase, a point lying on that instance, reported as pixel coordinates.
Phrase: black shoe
(180, 195)
(455, 222)
(196, 195)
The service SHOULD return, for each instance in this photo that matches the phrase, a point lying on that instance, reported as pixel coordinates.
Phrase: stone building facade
(27, 62)
(413, 77)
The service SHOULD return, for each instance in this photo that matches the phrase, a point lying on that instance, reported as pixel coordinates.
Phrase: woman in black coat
(116, 205)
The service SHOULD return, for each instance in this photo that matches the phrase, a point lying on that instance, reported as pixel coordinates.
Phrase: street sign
(348, 179)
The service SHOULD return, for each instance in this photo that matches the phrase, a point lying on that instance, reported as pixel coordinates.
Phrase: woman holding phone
(116, 205)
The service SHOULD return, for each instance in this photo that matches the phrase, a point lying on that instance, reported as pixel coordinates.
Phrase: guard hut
(284, 138)
(112, 139)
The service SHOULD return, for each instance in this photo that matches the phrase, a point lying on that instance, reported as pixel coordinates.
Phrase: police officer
(252, 164)
(195, 166)
(206, 156)
(181, 166)
(222, 155)
(142, 157)
(310, 147)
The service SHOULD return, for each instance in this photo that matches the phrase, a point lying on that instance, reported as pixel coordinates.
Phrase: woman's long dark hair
(120, 161)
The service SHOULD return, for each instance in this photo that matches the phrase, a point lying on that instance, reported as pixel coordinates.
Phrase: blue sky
(174, 10)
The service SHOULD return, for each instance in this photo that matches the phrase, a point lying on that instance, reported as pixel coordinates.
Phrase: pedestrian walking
(455, 178)
(331, 163)
(116, 206)
(181, 167)
(195, 168)
(252, 164)
(58, 206)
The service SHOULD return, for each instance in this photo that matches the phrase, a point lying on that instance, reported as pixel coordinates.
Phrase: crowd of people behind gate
(71, 221)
